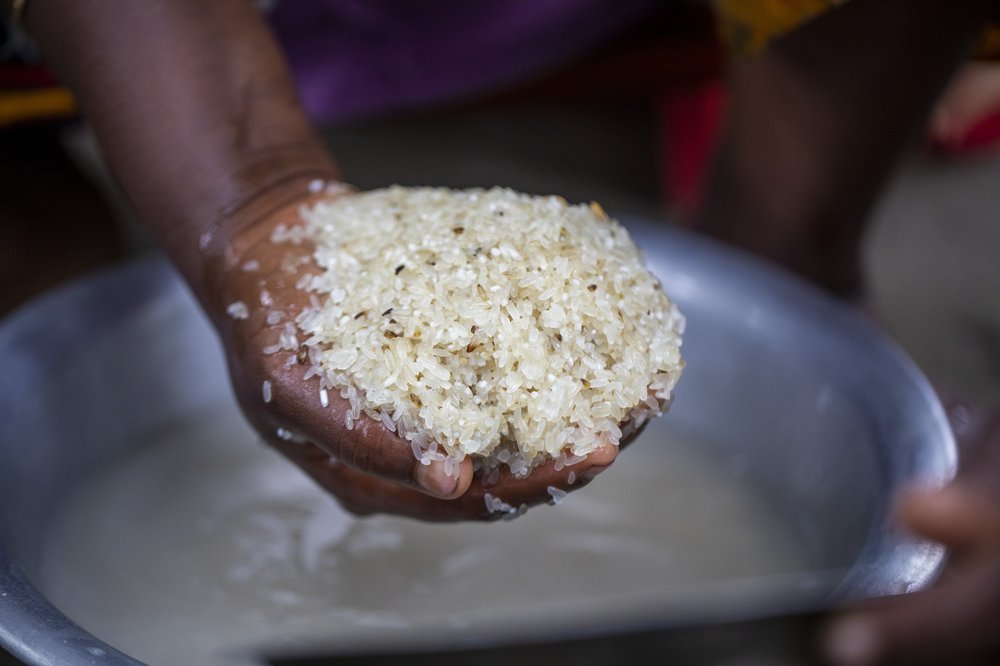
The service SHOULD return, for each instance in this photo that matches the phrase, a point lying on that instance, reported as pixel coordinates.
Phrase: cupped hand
(957, 621)
(368, 468)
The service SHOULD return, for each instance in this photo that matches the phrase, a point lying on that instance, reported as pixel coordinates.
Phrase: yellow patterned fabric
(18, 106)
(747, 26)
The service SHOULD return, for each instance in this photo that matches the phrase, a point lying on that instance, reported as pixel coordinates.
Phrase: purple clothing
(357, 58)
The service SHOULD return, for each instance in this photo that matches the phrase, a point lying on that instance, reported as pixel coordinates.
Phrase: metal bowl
(825, 415)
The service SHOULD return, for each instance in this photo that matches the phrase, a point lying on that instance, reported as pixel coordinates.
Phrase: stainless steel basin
(822, 412)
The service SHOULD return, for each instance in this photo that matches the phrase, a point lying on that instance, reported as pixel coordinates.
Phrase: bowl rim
(34, 630)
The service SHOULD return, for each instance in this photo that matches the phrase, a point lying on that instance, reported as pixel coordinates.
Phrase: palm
(368, 468)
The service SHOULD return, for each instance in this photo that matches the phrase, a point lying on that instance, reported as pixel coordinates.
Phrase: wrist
(236, 223)
(218, 240)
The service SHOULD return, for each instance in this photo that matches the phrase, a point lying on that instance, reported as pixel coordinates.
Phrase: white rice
(265, 390)
(556, 494)
(238, 310)
(507, 327)
(495, 504)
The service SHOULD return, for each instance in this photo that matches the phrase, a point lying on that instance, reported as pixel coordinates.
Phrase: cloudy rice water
(511, 328)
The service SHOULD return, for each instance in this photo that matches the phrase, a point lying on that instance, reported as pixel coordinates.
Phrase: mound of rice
(508, 327)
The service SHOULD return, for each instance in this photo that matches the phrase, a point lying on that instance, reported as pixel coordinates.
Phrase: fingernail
(852, 642)
(433, 479)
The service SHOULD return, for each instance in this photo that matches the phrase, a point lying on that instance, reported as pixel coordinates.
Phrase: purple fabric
(357, 58)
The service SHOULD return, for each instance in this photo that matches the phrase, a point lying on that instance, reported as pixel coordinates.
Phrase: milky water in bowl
(201, 545)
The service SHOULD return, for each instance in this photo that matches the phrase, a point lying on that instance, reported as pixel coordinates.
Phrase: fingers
(435, 478)
(363, 444)
(508, 497)
(954, 621)
(959, 516)
(296, 404)
(947, 623)
(548, 483)
(370, 448)
(363, 493)
(373, 469)
(314, 430)
(965, 515)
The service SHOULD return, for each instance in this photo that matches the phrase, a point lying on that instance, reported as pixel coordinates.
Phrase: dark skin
(833, 121)
(817, 122)
(198, 119)
(368, 468)
(200, 123)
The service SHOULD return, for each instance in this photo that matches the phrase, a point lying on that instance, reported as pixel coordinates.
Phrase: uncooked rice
(556, 494)
(511, 328)
(238, 310)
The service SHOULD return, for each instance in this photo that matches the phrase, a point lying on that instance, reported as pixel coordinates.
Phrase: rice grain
(514, 329)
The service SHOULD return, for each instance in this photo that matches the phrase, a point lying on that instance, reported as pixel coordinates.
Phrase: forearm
(819, 119)
(193, 106)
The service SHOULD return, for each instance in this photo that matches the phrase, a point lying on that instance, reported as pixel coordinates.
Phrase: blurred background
(631, 124)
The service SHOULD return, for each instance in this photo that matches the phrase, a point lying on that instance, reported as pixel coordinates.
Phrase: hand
(368, 468)
(957, 620)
